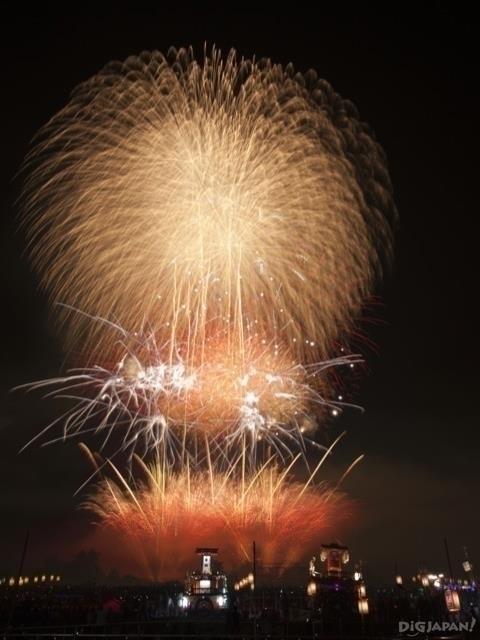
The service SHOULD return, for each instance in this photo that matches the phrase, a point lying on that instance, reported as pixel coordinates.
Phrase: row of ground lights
(22, 580)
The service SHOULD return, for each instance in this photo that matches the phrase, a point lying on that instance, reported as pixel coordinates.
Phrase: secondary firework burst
(155, 402)
(160, 518)
(222, 195)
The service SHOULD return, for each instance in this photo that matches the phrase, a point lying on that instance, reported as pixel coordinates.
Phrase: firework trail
(222, 196)
(162, 518)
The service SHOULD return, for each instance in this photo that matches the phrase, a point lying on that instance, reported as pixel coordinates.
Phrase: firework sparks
(224, 195)
(156, 403)
(160, 519)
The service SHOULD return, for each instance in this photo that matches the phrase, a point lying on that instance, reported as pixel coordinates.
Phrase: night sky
(414, 80)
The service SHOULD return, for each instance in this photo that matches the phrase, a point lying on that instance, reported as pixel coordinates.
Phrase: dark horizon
(413, 81)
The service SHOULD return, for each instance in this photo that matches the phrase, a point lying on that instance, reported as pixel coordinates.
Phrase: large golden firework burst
(215, 196)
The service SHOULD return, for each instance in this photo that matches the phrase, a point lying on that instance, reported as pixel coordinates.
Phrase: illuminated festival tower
(331, 587)
(205, 590)
(333, 558)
